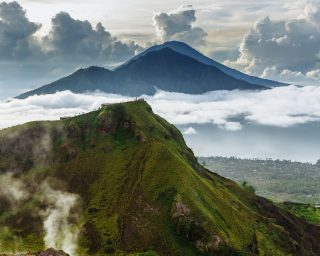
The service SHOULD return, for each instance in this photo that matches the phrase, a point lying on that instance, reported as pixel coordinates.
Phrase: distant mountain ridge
(173, 67)
(185, 49)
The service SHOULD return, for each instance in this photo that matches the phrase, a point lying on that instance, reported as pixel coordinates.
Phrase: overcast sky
(42, 40)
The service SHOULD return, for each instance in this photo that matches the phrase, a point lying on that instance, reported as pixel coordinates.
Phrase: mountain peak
(176, 67)
(173, 71)
(175, 43)
(92, 69)
(186, 49)
(141, 190)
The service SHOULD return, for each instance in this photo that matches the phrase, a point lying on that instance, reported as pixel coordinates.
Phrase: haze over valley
(262, 124)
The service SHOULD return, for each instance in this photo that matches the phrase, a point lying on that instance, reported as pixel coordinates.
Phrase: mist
(281, 109)
(13, 189)
(296, 143)
(60, 233)
(60, 210)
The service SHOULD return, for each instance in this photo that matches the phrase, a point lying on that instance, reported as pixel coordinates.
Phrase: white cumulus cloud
(287, 50)
(280, 107)
(190, 131)
(179, 25)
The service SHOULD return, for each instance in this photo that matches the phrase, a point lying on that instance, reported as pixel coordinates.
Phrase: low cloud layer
(179, 25)
(286, 50)
(280, 107)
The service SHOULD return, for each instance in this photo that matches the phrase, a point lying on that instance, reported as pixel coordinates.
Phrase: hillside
(48, 252)
(163, 68)
(275, 179)
(122, 180)
(310, 213)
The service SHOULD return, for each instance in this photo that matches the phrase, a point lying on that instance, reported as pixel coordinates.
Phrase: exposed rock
(212, 245)
(181, 210)
(107, 122)
(48, 252)
(51, 252)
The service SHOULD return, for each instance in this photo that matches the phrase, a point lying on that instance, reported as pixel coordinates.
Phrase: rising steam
(13, 189)
(59, 217)
(61, 233)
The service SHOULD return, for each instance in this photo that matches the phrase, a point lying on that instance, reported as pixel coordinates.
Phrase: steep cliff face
(132, 186)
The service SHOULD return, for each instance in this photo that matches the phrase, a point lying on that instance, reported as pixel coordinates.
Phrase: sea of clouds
(280, 107)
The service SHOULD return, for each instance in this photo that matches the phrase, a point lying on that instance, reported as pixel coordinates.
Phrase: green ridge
(142, 191)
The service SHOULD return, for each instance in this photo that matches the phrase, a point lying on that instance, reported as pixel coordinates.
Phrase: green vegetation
(307, 212)
(143, 192)
(274, 179)
(247, 187)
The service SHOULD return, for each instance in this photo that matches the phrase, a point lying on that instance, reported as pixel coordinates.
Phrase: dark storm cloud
(78, 40)
(68, 40)
(28, 60)
(16, 32)
(178, 25)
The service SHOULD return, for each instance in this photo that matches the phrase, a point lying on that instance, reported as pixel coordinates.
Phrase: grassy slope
(142, 189)
(306, 211)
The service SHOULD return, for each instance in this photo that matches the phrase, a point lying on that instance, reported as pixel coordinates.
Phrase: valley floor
(280, 181)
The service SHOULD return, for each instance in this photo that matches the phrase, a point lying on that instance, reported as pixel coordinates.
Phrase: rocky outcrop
(48, 252)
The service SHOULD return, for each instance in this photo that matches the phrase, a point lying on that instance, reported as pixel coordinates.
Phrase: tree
(248, 187)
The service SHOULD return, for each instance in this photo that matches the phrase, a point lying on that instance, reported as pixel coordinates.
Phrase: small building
(139, 99)
(317, 206)
(65, 117)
